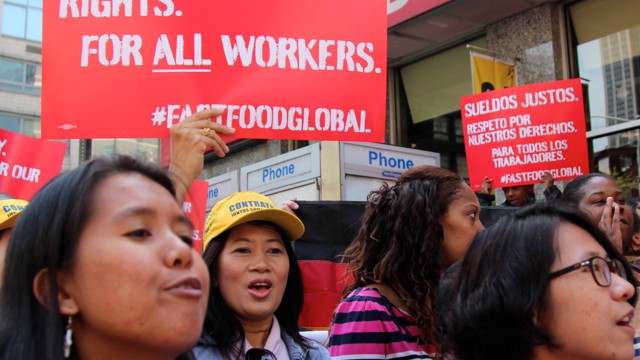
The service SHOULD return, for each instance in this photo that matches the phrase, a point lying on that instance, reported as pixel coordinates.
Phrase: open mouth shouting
(260, 288)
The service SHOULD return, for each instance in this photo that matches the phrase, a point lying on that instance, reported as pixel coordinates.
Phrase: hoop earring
(68, 339)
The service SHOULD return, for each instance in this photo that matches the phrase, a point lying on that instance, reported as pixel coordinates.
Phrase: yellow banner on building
(491, 74)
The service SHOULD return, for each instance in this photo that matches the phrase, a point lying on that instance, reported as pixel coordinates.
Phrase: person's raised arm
(551, 192)
(189, 140)
(485, 195)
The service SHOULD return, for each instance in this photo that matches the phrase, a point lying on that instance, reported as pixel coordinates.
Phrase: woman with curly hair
(410, 233)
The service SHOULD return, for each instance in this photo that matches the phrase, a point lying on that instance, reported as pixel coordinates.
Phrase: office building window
(20, 124)
(20, 76)
(22, 19)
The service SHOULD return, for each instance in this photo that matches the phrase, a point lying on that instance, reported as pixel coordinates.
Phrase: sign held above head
(514, 135)
(280, 69)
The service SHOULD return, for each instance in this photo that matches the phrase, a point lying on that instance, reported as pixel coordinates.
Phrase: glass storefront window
(608, 59)
(430, 104)
(619, 158)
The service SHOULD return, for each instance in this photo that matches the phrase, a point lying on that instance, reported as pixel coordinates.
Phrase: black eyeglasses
(601, 269)
(260, 354)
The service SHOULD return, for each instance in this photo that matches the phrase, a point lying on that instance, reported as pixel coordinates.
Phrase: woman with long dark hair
(256, 294)
(101, 263)
(410, 233)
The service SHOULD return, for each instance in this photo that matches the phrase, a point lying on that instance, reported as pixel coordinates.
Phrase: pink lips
(625, 323)
(260, 288)
(190, 287)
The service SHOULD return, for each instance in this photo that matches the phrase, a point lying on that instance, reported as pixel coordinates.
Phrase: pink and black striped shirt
(368, 326)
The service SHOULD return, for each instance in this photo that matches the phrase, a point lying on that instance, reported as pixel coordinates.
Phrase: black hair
(529, 196)
(49, 231)
(486, 86)
(221, 327)
(503, 281)
(400, 239)
(444, 300)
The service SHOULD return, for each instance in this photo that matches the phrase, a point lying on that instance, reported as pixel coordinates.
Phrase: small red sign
(195, 207)
(516, 134)
(27, 163)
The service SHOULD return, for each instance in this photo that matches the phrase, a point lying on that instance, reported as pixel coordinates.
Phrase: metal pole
(85, 150)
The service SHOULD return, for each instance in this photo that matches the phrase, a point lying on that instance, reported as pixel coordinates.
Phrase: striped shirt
(367, 326)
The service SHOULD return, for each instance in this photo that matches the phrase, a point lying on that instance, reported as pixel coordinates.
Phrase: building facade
(428, 71)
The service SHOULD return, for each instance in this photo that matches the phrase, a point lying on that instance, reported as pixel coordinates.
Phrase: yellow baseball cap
(243, 207)
(9, 211)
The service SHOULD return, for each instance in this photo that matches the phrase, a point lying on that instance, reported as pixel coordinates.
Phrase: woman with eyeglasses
(256, 285)
(542, 284)
(604, 202)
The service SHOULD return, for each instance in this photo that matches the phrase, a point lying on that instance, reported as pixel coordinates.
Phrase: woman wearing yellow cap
(10, 209)
(256, 290)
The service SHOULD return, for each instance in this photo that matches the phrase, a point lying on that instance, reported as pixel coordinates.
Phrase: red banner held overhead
(282, 69)
(27, 163)
(514, 135)
(195, 207)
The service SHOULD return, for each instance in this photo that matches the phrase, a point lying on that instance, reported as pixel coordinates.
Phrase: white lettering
(121, 51)
(300, 54)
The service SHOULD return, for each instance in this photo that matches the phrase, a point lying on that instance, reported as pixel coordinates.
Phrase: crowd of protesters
(100, 265)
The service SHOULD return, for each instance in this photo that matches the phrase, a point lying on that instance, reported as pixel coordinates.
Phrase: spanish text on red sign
(525, 130)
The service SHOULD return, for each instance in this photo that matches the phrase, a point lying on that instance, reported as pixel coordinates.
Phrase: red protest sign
(514, 135)
(283, 69)
(195, 207)
(27, 163)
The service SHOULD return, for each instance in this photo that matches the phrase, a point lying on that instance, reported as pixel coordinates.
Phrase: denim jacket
(206, 349)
